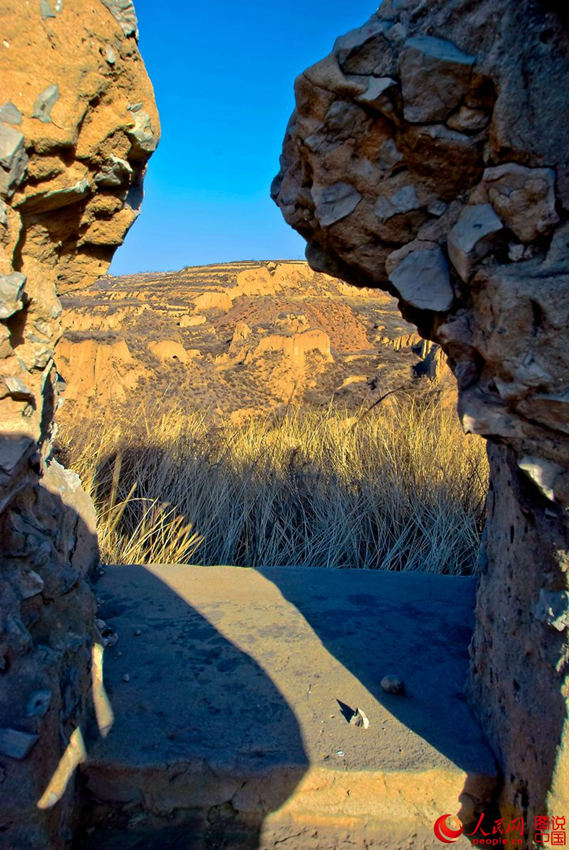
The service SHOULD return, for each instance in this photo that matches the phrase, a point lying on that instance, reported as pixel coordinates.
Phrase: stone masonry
(428, 155)
(77, 125)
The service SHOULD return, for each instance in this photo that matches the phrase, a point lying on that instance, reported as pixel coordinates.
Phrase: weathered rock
(523, 197)
(116, 172)
(142, 135)
(334, 202)
(13, 158)
(377, 95)
(45, 102)
(404, 200)
(422, 279)
(64, 120)
(476, 97)
(366, 50)
(10, 114)
(16, 744)
(468, 120)
(553, 609)
(124, 13)
(435, 77)
(55, 195)
(11, 286)
(472, 238)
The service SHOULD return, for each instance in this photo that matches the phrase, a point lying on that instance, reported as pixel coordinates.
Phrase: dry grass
(398, 488)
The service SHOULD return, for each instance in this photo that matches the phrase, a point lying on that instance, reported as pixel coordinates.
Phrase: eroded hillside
(235, 340)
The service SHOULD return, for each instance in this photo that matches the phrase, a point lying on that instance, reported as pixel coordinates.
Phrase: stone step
(228, 696)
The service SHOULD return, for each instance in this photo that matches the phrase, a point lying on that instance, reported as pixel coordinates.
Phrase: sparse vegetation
(399, 487)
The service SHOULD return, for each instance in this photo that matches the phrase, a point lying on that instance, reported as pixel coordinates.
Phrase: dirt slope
(237, 339)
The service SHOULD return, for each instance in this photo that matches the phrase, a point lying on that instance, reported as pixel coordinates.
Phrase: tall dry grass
(399, 488)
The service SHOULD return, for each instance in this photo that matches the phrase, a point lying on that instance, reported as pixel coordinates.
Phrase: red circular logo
(448, 829)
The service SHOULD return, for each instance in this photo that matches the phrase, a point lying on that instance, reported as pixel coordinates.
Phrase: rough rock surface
(457, 102)
(74, 138)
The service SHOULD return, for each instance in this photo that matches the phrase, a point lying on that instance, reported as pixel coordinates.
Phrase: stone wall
(77, 125)
(427, 156)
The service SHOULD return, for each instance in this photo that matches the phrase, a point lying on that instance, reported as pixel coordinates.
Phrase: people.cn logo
(448, 829)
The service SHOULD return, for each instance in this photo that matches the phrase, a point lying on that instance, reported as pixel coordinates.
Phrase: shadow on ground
(414, 625)
(198, 727)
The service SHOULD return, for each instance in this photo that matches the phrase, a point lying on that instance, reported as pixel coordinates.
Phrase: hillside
(234, 340)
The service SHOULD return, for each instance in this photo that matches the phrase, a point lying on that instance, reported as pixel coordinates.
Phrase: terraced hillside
(235, 340)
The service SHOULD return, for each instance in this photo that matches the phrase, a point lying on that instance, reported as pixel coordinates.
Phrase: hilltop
(236, 340)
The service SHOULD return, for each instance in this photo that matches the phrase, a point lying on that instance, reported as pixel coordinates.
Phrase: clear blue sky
(223, 73)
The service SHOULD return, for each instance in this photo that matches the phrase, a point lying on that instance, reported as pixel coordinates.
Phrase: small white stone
(392, 684)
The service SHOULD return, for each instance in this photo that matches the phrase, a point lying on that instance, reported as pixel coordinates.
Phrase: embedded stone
(552, 608)
(542, 472)
(422, 279)
(389, 155)
(548, 409)
(19, 638)
(472, 238)
(142, 136)
(334, 202)
(367, 50)
(11, 286)
(44, 103)
(402, 201)
(523, 197)
(360, 36)
(123, 12)
(376, 96)
(50, 199)
(45, 9)
(10, 114)
(12, 450)
(515, 252)
(16, 388)
(435, 76)
(342, 120)
(437, 208)
(30, 584)
(116, 172)
(559, 248)
(450, 160)
(16, 744)
(328, 75)
(13, 158)
(468, 120)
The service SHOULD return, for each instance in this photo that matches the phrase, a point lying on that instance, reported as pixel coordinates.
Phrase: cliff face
(426, 156)
(77, 125)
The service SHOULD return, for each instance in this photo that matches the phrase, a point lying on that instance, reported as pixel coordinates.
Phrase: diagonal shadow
(199, 731)
(417, 626)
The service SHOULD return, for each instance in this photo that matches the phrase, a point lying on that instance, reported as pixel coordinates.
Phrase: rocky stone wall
(428, 155)
(77, 125)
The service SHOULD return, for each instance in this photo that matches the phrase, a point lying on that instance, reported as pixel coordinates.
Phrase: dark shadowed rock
(472, 238)
(470, 120)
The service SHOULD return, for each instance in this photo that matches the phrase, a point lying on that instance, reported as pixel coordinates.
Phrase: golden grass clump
(398, 488)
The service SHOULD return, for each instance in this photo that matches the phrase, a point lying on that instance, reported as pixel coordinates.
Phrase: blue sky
(223, 73)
